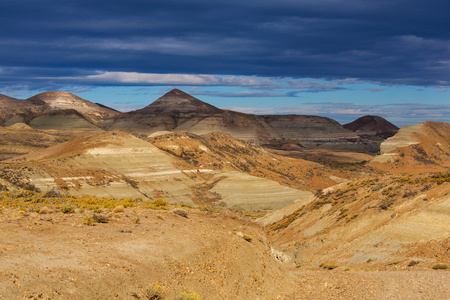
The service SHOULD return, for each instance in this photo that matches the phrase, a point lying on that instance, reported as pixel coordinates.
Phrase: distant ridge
(177, 111)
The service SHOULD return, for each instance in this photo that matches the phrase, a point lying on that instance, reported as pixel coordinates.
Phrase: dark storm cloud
(388, 42)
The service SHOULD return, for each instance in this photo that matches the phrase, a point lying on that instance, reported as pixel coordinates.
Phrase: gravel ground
(372, 285)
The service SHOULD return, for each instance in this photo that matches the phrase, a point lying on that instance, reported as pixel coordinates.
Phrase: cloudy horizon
(335, 58)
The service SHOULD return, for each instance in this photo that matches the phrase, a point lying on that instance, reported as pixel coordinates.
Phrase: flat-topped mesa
(372, 126)
(177, 101)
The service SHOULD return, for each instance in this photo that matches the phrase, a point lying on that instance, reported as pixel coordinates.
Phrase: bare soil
(56, 256)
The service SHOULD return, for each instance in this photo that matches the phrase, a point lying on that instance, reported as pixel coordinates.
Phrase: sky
(335, 58)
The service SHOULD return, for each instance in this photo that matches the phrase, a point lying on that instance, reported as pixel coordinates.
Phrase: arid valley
(183, 200)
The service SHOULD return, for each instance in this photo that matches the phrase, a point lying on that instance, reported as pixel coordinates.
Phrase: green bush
(67, 210)
(440, 267)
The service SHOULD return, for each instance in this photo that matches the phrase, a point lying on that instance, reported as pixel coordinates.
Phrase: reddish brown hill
(372, 126)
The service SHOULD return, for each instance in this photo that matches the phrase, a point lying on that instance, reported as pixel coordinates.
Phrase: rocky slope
(203, 253)
(118, 165)
(379, 223)
(424, 147)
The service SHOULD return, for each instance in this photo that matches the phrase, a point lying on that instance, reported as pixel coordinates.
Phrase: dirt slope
(378, 223)
(424, 147)
(203, 253)
(118, 165)
(220, 151)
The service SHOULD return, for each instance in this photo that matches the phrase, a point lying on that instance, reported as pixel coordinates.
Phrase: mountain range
(178, 111)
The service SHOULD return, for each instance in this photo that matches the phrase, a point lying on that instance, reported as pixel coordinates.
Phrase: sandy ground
(372, 285)
(56, 256)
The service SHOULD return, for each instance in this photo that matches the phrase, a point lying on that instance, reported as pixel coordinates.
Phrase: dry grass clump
(156, 292)
(45, 210)
(328, 266)
(119, 209)
(188, 296)
(181, 212)
(100, 218)
(88, 220)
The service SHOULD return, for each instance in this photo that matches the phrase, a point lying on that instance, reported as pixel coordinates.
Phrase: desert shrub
(440, 267)
(29, 187)
(289, 219)
(67, 210)
(131, 182)
(156, 292)
(248, 238)
(180, 212)
(158, 204)
(441, 177)
(208, 208)
(137, 220)
(97, 209)
(45, 210)
(88, 220)
(328, 266)
(384, 204)
(119, 209)
(188, 296)
(100, 218)
(413, 263)
(3, 188)
(52, 194)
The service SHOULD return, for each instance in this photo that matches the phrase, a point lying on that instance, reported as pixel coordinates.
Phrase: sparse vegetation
(119, 209)
(67, 210)
(100, 218)
(328, 266)
(440, 267)
(188, 296)
(136, 220)
(156, 292)
(158, 204)
(181, 212)
(248, 238)
(88, 220)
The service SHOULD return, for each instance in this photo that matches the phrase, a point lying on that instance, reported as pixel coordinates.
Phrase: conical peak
(177, 101)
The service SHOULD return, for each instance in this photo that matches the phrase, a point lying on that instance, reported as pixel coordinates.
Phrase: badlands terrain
(183, 199)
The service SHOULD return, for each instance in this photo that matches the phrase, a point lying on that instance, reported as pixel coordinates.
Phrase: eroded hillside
(424, 147)
(220, 151)
(380, 222)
